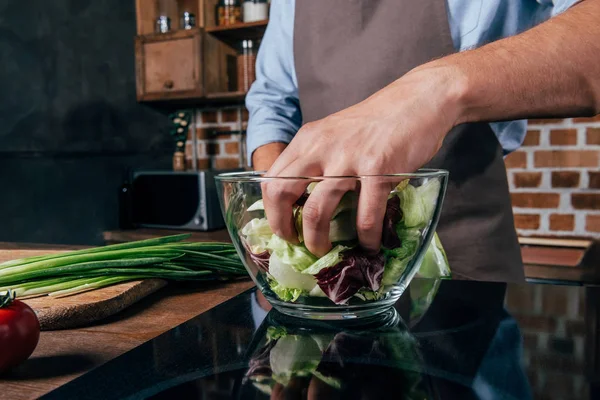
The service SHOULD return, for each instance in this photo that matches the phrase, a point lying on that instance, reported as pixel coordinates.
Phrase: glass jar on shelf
(167, 9)
(188, 20)
(255, 10)
(246, 64)
(229, 12)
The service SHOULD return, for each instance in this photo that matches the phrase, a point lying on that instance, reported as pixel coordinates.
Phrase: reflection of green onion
(82, 270)
(335, 383)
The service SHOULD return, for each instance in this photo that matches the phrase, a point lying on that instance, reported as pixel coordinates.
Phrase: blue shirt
(273, 98)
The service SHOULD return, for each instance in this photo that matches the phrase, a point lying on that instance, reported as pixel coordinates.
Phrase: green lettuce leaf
(435, 263)
(429, 193)
(296, 256)
(275, 333)
(335, 383)
(287, 277)
(257, 206)
(257, 233)
(422, 294)
(370, 295)
(285, 293)
(394, 268)
(343, 227)
(413, 214)
(317, 292)
(328, 260)
(418, 204)
(410, 241)
(294, 355)
(349, 202)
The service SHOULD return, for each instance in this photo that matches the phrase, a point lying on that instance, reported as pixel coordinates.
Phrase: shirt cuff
(259, 135)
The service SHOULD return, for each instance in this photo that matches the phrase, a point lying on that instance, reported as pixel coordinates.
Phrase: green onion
(68, 273)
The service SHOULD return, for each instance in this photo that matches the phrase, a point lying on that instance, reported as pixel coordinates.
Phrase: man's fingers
(318, 210)
(280, 195)
(285, 159)
(371, 211)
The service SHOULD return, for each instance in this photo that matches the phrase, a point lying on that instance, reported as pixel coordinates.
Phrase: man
(381, 89)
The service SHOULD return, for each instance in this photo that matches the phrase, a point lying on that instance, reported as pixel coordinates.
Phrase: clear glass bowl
(347, 282)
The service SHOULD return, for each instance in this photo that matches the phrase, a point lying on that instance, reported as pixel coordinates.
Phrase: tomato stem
(7, 298)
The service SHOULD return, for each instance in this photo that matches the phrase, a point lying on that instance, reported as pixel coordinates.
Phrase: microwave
(172, 200)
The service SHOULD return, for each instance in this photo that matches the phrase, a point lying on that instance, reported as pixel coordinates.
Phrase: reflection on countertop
(443, 339)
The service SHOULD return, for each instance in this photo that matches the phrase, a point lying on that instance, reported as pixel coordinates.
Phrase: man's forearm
(265, 156)
(550, 70)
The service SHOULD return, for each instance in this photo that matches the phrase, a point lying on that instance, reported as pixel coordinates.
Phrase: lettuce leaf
(285, 293)
(296, 256)
(257, 234)
(422, 294)
(410, 239)
(435, 263)
(394, 268)
(413, 212)
(418, 204)
(429, 193)
(343, 227)
(294, 355)
(328, 260)
(287, 277)
(257, 206)
(316, 292)
(276, 333)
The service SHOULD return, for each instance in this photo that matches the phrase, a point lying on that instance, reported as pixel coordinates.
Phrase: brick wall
(551, 319)
(216, 147)
(555, 178)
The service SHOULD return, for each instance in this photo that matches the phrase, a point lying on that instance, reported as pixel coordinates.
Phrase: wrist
(451, 89)
(264, 156)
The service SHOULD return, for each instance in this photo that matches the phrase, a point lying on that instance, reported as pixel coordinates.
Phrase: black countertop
(442, 340)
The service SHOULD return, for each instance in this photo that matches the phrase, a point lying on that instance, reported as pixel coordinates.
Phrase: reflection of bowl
(347, 282)
(371, 360)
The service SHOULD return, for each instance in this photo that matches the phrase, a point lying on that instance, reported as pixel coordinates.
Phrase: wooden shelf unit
(196, 65)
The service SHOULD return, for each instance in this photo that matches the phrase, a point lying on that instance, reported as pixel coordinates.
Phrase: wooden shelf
(232, 34)
(172, 35)
(209, 99)
(232, 96)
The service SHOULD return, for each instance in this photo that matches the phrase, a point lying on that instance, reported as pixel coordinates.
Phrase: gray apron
(345, 50)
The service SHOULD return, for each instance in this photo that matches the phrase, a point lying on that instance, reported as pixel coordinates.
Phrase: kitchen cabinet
(197, 65)
(168, 66)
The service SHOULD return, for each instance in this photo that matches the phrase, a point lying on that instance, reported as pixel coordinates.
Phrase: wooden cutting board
(86, 308)
(81, 309)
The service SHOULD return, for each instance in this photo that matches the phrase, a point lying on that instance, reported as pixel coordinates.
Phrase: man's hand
(398, 129)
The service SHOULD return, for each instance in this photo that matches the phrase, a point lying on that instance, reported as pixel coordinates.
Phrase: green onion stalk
(168, 257)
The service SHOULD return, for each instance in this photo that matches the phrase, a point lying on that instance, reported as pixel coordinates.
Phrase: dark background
(70, 127)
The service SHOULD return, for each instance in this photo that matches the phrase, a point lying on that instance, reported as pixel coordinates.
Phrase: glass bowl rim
(258, 176)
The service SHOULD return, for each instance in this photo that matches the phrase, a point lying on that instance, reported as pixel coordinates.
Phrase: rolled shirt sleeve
(272, 101)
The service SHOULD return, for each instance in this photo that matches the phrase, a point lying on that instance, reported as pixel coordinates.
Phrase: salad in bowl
(347, 282)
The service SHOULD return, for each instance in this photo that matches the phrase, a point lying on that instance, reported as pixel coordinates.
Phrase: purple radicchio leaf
(393, 215)
(260, 363)
(261, 260)
(356, 270)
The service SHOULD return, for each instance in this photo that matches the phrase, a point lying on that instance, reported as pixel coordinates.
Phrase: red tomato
(19, 332)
